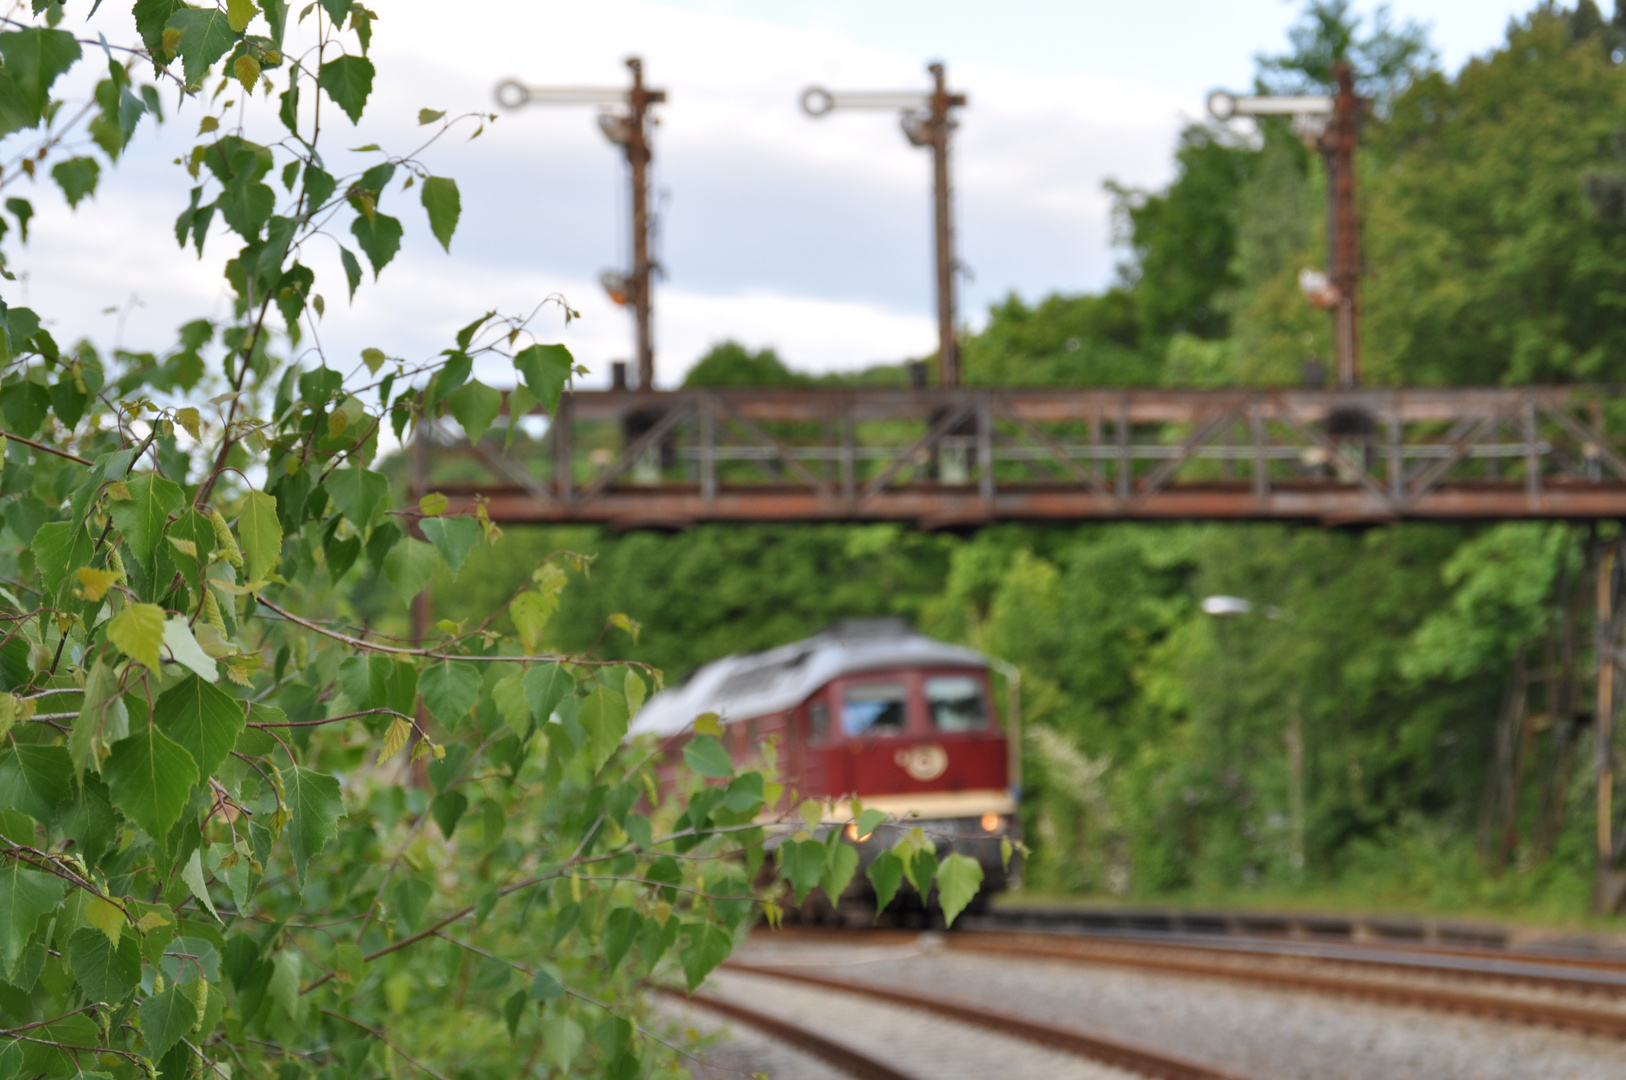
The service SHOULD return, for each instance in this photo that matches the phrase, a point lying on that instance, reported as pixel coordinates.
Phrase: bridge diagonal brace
(1058, 454)
(1319, 439)
(1459, 431)
(1165, 470)
(1589, 438)
(510, 469)
(752, 430)
(634, 451)
(1432, 474)
(943, 426)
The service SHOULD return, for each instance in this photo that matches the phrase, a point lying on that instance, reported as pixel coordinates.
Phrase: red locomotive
(873, 709)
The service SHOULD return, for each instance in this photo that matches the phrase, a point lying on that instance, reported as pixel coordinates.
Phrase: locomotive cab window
(874, 708)
(818, 722)
(955, 703)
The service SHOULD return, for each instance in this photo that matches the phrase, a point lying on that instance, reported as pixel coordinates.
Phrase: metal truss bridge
(961, 458)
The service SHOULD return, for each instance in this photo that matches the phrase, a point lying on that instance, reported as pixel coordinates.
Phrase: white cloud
(810, 236)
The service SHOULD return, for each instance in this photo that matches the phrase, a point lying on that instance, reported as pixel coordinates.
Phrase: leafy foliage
(228, 800)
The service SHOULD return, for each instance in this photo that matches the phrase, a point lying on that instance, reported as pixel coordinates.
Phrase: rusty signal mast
(1331, 124)
(926, 122)
(627, 128)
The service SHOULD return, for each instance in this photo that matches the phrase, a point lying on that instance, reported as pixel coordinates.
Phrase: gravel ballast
(1254, 1032)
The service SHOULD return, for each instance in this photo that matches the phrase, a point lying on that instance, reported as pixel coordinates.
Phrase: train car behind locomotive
(872, 709)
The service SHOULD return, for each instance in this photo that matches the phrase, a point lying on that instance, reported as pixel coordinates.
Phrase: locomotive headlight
(852, 833)
(990, 823)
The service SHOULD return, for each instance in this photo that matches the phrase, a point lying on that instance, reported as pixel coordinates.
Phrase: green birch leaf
(357, 493)
(102, 721)
(441, 200)
(77, 177)
(530, 612)
(634, 691)
(379, 238)
(195, 529)
(36, 779)
(508, 694)
(708, 946)
(35, 58)
(137, 630)
(105, 972)
(192, 875)
(603, 716)
(840, 864)
(409, 566)
(151, 777)
(25, 895)
(206, 36)
(201, 717)
(562, 1040)
(801, 862)
(920, 868)
(621, 929)
(449, 690)
(184, 649)
(545, 369)
(885, 873)
(706, 756)
(284, 985)
(453, 537)
(142, 517)
(869, 821)
(513, 1011)
(447, 809)
(60, 547)
(168, 1016)
(240, 13)
(348, 80)
(744, 794)
(958, 880)
(314, 799)
(544, 987)
(476, 407)
(150, 19)
(546, 685)
(352, 270)
(261, 533)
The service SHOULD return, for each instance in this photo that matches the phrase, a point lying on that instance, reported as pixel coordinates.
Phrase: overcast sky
(812, 237)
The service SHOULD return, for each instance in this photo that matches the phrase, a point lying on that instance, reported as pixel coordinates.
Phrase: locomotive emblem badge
(926, 762)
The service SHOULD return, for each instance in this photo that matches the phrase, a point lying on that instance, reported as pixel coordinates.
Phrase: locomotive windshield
(955, 702)
(874, 708)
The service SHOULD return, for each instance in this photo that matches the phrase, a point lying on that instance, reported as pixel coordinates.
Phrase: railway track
(850, 1061)
(1486, 986)
(1567, 1017)
(1136, 1060)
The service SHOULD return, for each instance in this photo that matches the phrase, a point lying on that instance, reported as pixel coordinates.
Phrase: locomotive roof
(743, 687)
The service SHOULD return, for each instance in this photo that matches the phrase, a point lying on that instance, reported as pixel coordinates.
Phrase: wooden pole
(1345, 239)
(1605, 726)
(948, 348)
(638, 155)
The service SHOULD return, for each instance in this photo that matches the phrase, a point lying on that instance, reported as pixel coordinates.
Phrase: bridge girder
(969, 457)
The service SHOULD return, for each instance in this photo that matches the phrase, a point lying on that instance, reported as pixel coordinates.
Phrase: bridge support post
(1610, 885)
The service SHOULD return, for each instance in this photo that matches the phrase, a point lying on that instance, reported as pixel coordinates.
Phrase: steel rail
(1476, 965)
(842, 1057)
(1134, 1059)
(1055, 948)
(1333, 937)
